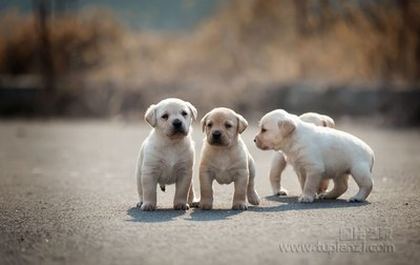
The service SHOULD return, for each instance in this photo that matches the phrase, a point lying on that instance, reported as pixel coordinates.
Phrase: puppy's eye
(184, 113)
(165, 116)
(209, 124)
(263, 130)
(228, 125)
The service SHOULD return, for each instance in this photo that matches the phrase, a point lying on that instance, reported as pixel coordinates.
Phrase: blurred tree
(42, 12)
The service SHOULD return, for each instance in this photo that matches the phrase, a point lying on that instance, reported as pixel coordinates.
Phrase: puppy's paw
(194, 204)
(306, 199)
(241, 206)
(281, 192)
(139, 204)
(181, 206)
(254, 199)
(326, 196)
(205, 205)
(356, 199)
(147, 206)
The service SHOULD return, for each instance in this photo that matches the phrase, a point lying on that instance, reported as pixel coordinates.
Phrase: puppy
(317, 153)
(225, 158)
(279, 161)
(167, 154)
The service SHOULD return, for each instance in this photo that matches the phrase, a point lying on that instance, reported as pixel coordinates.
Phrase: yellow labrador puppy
(167, 154)
(279, 161)
(225, 158)
(317, 153)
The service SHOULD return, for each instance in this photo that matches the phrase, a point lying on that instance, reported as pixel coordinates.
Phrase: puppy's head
(171, 117)
(222, 126)
(274, 129)
(318, 119)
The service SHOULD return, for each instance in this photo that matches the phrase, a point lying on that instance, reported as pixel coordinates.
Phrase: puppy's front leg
(278, 164)
(310, 188)
(149, 184)
(206, 190)
(252, 194)
(192, 200)
(239, 195)
(182, 188)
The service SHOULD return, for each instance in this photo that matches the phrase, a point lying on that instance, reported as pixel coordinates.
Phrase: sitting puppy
(226, 159)
(279, 162)
(167, 154)
(317, 153)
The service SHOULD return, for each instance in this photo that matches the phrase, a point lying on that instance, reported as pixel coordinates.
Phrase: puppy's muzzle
(216, 138)
(178, 126)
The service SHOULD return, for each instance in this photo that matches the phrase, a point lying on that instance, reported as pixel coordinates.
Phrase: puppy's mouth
(217, 142)
(178, 132)
(262, 146)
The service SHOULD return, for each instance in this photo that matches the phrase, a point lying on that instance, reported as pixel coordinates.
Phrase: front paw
(181, 206)
(306, 199)
(239, 206)
(205, 205)
(194, 204)
(148, 206)
(281, 192)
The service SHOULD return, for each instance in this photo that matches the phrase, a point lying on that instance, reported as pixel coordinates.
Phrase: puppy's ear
(287, 126)
(203, 122)
(242, 123)
(193, 110)
(150, 115)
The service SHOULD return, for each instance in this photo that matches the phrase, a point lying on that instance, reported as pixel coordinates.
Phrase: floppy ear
(150, 115)
(242, 123)
(193, 110)
(203, 122)
(287, 126)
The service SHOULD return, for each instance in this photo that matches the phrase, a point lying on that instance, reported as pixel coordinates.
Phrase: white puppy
(279, 160)
(167, 154)
(225, 158)
(317, 153)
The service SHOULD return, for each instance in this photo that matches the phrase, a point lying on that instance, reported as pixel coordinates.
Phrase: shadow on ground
(291, 203)
(159, 215)
(212, 215)
(287, 204)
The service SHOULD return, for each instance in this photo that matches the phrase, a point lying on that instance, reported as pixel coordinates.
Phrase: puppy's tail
(162, 188)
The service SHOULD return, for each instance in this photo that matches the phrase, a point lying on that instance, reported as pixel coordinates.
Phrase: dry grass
(233, 58)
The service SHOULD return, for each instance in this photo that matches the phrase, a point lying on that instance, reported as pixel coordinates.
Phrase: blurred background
(112, 59)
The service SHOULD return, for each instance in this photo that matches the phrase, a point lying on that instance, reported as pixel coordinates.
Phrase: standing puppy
(225, 158)
(317, 153)
(279, 160)
(167, 154)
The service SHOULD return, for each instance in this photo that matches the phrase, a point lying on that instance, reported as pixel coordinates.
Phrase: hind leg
(364, 180)
(340, 186)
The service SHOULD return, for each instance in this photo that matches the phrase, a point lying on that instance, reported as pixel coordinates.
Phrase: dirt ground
(68, 196)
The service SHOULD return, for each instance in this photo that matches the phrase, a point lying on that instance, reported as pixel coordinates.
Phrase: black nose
(177, 123)
(216, 134)
(255, 140)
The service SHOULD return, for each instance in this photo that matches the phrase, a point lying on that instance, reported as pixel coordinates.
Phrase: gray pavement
(68, 196)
